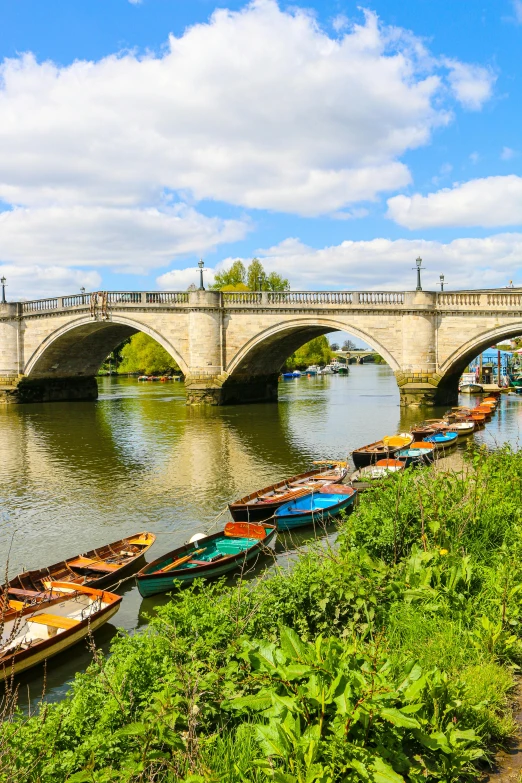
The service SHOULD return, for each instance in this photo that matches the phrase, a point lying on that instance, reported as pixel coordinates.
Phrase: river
(76, 475)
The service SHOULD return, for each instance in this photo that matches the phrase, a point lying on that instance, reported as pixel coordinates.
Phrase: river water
(74, 476)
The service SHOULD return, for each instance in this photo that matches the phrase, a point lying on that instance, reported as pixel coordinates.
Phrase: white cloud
(508, 154)
(471, 84)
(132, 240)
(38, 282)
(384, 264)
(474, 157)
(135, 2)
(517, 8)
(259, 108)
(181, 279)
(492, 201)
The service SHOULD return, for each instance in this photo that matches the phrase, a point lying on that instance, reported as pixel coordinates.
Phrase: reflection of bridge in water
(231, 346)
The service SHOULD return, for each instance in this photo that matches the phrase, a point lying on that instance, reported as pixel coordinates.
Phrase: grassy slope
(426, 579)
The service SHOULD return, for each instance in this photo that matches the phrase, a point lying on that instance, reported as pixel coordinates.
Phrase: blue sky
(336, 143)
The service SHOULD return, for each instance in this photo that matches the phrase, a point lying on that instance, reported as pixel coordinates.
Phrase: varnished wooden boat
(33, 634)
(261, 505)
(209, 557)
(381, 449)
(96, 568)
(379, 470)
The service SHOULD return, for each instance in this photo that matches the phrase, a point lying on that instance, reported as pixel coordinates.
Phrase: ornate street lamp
(82, 290)
(201, 264)
(442, 282)
(2, 281)
(418, 267)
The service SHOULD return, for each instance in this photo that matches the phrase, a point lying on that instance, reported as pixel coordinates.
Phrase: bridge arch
(79, 348)
(267, 351)
(453, 367)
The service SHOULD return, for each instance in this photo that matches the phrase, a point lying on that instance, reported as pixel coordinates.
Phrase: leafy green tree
(230, 278)
(144, 355)
(349, 345)
(237, 278)
(317, 351)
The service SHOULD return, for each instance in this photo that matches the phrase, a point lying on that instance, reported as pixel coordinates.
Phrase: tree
(144, 355)
(334, 346)
(349, 345)
(231, 278)
(237, 278)
(317, 351)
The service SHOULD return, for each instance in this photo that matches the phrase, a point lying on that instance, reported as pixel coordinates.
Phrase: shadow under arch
(79, 348)
(454, 366)
(252, 374)
(266, 353)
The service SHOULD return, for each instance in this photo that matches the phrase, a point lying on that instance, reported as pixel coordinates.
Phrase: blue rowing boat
(442, 440)
(317, 508)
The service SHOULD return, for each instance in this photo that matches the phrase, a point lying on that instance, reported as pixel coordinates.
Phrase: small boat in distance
(443, 440)
(381, 469)
(260, 505)
(418, 454)
(381, 449)
(211, 556)
(97, 567)
(315, 508)
(31, 635)
(312, 370)
(471, 388)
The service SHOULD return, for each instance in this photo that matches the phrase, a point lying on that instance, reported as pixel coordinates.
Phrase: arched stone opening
(252, 374)
(454, 366)
(65, 364)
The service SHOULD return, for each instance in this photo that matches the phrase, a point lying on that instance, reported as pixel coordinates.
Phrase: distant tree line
(317, 351)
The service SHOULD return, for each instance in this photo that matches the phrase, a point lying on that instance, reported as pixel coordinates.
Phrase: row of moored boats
(47, 610)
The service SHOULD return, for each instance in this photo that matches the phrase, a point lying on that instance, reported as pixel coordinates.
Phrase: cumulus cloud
(385, 264)
(259, 108)
(124, 239)
(38, 282)
(491, 201)
(471, 84)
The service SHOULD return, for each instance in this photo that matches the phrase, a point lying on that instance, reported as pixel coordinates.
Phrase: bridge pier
(232, 391)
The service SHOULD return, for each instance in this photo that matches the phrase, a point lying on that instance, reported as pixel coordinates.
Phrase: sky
(336, 142)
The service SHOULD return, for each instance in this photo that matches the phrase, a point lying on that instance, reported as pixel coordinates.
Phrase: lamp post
(442, 282)
(2, 281)
(418, 267)
(201, 264)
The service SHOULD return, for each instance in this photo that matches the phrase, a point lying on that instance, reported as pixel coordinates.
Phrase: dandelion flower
(443, 551)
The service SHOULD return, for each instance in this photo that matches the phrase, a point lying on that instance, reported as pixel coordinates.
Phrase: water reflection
(76, 475)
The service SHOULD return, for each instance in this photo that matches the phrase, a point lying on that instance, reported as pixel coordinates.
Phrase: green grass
(426, 573)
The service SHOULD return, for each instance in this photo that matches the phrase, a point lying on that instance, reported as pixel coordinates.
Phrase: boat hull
(27, 658)
(286, 522)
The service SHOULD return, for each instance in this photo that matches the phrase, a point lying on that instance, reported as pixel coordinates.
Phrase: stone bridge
(231, 346)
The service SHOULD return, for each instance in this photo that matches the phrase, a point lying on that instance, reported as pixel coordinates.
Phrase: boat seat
(26, 593)
(17, 605)
(92, 565)
(53, 620)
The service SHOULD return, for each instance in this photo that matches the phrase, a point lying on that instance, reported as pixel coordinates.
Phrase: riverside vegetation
(387, 656)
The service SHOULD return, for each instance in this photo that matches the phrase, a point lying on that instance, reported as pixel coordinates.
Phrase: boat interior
(23, 631)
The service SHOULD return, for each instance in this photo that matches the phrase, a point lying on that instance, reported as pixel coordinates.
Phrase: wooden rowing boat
(235, 547)
(379, 470)
(419, 453)
(36, 633)
(381, 449)
(96, 568)
(316, 508)
(261, 505)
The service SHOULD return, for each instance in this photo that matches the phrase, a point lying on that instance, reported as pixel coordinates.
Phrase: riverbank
(388, 656)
